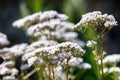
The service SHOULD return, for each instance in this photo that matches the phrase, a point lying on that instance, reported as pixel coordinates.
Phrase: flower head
(97, 21)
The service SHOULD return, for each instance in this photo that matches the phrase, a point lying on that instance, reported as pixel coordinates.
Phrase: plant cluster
(54, 50)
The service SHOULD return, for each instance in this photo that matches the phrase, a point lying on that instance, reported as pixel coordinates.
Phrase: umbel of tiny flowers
(48, 54)
(97, 21)
(54, 57)
(47, 25)
(8, 69)
(100, 24)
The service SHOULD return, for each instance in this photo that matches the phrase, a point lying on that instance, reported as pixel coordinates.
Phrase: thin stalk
(49, 74)
(115, 73)
(67, 68)
(53, 73)
(96, 56)
(29, 74)
(101, 54)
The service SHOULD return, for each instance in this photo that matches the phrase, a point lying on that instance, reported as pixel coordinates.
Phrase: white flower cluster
(26, 21)
(38, 17)
(48, 25)
(3, 39)
(96, 20)
(52, 29)
(37, 46)
(67, 47)
(51, 53)
(112, 69)
(112, 59)
(78, 62)
(7, 69)
(47, 29)
(12, 52)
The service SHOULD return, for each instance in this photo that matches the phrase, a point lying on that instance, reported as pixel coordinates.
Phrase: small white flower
(63, 55)
(48, 15)
(70, 35)
(62, 17)
(4, 71)
(14, 71)
(85, 66)
(75, 61)
(111, 70)
(91, 43)
(105, 70)
(31, 61)
(114, 69)
(24, 66)
(110, 21)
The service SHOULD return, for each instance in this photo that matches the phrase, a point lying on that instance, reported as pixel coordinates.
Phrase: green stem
(49, 74)
(96, 55)
(115, 73)
(101, 54)
(29, 74)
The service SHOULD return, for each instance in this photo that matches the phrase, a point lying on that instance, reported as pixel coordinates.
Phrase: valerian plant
(100, 24)
(53, 51)
(48, 56)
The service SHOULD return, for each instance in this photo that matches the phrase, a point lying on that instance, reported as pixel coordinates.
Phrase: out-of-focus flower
(4, 70)
(67, 47)
(26, 21)
(91, 43)
(24, 66)
(75, 61)
(14, 51)
(114, 58)
(3, 39)
(114, 69)
(38, 17)
(85, 66)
